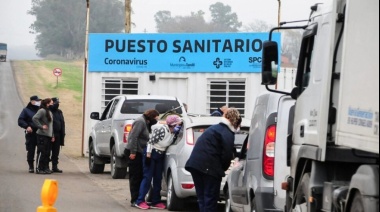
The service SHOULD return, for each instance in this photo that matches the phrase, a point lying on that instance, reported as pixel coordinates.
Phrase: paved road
(19, 190)
(79, 190)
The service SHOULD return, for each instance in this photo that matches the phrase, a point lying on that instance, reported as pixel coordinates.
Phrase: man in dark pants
(59, 133)
(25, 121)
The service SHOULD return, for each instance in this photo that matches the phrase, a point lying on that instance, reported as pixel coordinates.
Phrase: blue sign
(216, 53)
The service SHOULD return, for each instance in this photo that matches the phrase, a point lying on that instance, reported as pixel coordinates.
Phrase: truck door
(100, 129)
(314, 75)
(107, 130)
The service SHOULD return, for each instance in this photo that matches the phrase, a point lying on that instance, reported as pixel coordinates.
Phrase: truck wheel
(116, 173)
(227, 206)
(173, 202)
(302, 194)
(94, 168)
(357, 204)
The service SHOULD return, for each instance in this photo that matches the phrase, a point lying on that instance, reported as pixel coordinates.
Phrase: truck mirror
(94, 115)
(269, 63)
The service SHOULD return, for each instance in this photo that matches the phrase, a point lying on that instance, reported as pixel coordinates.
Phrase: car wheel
(227, 206)
(357, 204)
(94, 168)
(116, 173)
(173, 202)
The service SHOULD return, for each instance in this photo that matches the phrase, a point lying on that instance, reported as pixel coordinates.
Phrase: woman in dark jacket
(137, 142)
(211, 157)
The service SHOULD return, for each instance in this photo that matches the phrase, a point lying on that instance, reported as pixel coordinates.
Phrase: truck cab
(335, 140)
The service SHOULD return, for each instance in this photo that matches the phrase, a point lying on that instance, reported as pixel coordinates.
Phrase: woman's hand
(52, 139)
(45, 127)
(148, 155)
(132, 156)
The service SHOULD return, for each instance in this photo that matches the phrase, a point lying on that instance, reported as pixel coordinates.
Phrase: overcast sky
(15, 22)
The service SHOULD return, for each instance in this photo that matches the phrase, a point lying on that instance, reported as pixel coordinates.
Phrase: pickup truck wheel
(94, 168)
(116, 173)
(173, 202)
(357, 204)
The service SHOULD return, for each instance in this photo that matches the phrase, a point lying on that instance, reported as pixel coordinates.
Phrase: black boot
(56, 169)
(31, 166)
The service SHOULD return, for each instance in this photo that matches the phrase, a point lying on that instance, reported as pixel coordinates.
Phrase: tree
(60, 25)
(223, 20)
(258, 26)
(291, 44)
(165, 23)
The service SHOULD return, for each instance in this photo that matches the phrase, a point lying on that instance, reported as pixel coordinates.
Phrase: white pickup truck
(109, 135)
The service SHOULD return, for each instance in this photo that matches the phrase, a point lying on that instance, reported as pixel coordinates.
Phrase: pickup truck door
(104, 144)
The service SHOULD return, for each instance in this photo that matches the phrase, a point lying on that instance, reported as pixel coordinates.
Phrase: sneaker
(142, 206)
(159, 206)
(31, 170)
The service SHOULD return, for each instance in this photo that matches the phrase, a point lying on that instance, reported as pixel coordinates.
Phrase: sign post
(57, 72)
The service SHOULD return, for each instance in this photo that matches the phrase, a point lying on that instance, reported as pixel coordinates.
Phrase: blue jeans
(152, 171)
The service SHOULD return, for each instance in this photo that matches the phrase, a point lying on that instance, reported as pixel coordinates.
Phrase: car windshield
(139, 106)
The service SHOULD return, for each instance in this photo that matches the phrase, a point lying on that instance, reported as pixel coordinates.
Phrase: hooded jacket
(40, 119)
(139, 135)
(213, 151)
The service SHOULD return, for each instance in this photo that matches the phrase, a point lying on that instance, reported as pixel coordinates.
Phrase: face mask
(153, 122)
(37, 103)
(54, 106)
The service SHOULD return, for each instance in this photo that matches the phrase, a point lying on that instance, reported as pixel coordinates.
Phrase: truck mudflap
(366, 181)
(264, 199)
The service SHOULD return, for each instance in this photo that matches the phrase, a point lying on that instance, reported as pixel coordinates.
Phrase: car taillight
(190, 137)
(127, 129)
(268, 151)
(187, 186)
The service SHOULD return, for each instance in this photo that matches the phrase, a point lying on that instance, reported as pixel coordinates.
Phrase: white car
(177, 183)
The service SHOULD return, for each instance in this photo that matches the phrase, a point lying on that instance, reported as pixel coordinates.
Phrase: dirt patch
(32, 79)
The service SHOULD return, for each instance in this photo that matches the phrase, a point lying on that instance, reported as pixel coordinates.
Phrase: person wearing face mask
(59, 133)
(211, 157)
(153, 159)
(137, 142)
(45, 136)
(25, 121)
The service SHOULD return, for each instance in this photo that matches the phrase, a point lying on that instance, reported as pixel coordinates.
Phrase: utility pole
(279, 12)
(128, 11)
(85, 75)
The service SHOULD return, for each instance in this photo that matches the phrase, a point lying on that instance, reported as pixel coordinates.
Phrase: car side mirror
(270, 61)
(94, 115)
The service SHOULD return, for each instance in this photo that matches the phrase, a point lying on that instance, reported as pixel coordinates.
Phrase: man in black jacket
(25, 121)
(59, 134)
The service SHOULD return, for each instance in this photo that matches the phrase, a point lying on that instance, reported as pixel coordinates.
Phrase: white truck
(109, 136)
(333, 152)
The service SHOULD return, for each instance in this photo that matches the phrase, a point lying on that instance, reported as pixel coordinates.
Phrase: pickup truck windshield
(139, 106)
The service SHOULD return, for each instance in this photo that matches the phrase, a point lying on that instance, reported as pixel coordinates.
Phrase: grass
(36, 78)
(71, 78)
